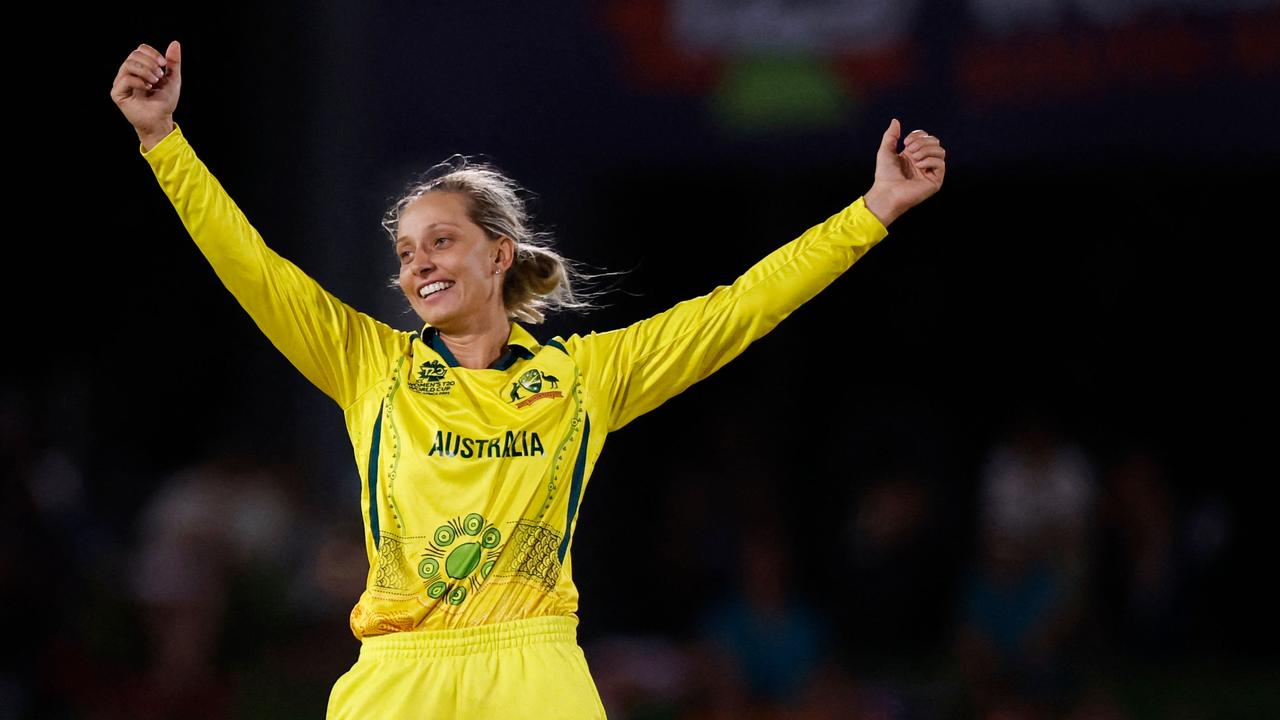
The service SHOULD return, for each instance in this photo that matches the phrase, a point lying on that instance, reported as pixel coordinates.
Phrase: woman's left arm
(642, 365)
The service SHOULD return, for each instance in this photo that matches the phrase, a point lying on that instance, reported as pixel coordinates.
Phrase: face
(445, 255)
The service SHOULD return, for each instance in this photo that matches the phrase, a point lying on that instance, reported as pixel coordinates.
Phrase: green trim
(443, 350)
(575, 490)
(394, 436)
(513, 353)
(554, 476)
(373, 478)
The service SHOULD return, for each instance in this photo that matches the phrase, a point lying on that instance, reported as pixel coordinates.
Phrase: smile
(434, 288)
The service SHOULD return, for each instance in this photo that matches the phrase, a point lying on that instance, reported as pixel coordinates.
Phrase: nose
(422, 262)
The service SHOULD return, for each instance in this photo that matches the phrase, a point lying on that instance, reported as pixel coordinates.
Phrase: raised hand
(905, 178)
(146, 90)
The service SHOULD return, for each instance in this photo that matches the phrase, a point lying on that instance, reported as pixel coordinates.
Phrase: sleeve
(341, 351)
(640, 366)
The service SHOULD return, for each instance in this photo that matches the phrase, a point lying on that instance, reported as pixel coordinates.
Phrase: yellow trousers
(529, 668)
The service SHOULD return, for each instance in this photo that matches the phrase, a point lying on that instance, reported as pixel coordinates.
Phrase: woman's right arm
(340, 350)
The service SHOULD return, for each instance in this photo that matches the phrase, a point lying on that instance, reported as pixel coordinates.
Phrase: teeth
(434, 287)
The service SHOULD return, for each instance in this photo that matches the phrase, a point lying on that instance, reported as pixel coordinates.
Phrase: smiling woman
(473, 441)
(535, 279)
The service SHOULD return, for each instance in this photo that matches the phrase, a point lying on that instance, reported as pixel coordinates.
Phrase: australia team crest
(534, 385)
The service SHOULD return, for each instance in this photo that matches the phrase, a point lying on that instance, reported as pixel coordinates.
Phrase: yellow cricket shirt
(471, 479)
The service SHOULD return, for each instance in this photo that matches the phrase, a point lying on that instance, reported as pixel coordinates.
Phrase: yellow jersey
(471, 479)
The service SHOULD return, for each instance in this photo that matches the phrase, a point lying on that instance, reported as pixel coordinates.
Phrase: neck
(479, 343)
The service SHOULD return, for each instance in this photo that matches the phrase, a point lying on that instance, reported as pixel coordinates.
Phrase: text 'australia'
(514, 444)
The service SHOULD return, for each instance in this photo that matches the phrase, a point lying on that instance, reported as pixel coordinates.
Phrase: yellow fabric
(529, 668)
(471, 478)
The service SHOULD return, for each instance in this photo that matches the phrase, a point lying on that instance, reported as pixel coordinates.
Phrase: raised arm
(340, 350)
(639, 367)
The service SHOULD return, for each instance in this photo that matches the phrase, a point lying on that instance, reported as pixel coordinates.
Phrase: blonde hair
(540, 280)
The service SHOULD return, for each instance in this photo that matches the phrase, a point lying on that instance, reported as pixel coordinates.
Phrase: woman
(474, 441)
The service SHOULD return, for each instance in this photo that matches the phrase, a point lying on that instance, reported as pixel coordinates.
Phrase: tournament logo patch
(430, 379)
(532, 382)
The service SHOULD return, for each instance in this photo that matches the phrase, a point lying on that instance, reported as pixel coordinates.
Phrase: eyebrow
(406, 238)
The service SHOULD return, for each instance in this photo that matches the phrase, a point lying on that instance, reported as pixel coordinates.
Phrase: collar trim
(520, 346)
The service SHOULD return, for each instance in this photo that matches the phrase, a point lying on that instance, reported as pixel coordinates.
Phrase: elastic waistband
(464, 641)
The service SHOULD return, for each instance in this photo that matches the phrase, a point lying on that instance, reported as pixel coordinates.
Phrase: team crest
(430, 379)
(532, 383)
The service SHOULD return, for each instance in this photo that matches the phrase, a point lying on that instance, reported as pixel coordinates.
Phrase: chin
(435, 318)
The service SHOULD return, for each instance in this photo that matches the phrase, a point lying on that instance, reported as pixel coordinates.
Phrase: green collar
(520, 346)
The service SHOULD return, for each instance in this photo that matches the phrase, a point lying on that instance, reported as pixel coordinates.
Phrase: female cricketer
(474, 442)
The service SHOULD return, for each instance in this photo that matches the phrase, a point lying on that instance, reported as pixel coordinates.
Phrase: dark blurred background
(1012, 465)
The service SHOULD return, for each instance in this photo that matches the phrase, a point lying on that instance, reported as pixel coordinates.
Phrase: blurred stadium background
(1009, 466)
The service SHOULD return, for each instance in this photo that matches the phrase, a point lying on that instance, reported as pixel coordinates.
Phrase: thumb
(173, 59)
(890, 140)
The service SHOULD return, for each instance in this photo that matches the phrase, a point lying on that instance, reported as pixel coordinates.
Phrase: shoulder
(562, 344)
(388, 336)
(581, 349)
(577, 345)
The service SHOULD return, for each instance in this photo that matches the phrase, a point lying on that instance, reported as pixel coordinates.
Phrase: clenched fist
(146, 91)
(905, 178)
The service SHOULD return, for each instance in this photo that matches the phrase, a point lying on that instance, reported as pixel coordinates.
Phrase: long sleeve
(641, 366)
(340, 350)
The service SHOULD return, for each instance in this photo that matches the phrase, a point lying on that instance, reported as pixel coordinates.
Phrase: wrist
(152, 136)
(879, 202)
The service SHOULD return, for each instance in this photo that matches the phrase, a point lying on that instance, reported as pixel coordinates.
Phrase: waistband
(478, 639)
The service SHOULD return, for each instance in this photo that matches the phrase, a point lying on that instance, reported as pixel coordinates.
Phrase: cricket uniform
(471, 479)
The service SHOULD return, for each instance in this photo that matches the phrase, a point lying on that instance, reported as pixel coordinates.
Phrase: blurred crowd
(1039, 589)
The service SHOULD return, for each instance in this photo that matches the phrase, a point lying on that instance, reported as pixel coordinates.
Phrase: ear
(506, 253)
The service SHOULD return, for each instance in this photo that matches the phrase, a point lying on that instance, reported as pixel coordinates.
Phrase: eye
(441, 240)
